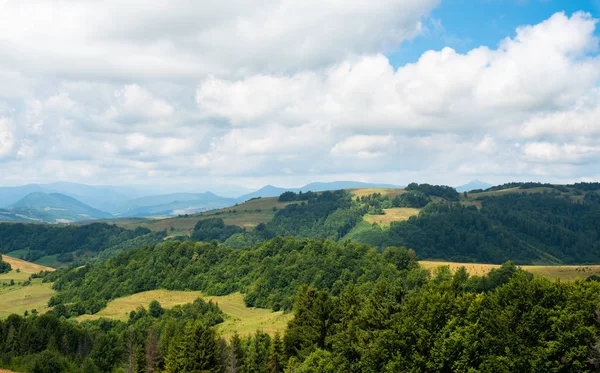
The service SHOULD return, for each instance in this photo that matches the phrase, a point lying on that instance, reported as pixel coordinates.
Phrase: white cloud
(560, 153)
(278, 91)
(363, 146)
(7, 139)
(159, 39)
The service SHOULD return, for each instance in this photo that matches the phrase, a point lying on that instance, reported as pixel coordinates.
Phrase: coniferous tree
(276, 353)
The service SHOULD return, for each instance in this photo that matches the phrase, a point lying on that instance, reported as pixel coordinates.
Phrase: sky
(202, 95)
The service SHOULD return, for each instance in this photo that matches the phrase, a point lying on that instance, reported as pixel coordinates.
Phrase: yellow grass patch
(18, 299)
(25, 266)
(393, 214)
(565, 273)
(390, 192)
(240, 319)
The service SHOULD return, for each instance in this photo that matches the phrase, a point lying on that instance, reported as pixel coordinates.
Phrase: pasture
(389, 192)
(18, 299)
(393, 214)
(239, 318)
(553, 272)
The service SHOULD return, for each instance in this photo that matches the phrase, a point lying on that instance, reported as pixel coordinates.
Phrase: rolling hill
(273, 191)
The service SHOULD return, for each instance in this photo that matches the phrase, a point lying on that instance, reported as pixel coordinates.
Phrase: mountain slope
(55, 208)
(174, 204)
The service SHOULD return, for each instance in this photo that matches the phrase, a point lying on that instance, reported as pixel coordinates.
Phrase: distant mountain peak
(473, 185)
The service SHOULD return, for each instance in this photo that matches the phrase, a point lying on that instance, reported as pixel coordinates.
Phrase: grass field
(565, 273)
(18, 299)
(246, 215)
(25, 266)
(390, 192)
(240, 318)
(393, 214)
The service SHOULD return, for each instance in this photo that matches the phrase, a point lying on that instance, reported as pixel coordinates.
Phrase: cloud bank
(249, 93)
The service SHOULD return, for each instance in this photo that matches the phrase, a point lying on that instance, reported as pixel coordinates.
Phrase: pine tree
(308, 329)
(276, 355)
(195, 351)
(140, 359)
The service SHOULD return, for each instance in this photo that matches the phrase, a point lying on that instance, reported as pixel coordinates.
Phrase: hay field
(389, 192)
(393, 214)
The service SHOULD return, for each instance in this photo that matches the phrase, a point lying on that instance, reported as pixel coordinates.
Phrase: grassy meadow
(18, 298)
(389, 192)
(565, 273)
(393, 214)
(240, 319)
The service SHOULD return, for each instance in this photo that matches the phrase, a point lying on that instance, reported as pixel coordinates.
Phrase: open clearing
(393, 214)
(389, 192)
(246, 215)
(240, 319)
(565, 273)
(18, 299)
(25, 266)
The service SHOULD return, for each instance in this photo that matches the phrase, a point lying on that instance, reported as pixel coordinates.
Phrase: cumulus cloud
(277, 91)
(158, 39)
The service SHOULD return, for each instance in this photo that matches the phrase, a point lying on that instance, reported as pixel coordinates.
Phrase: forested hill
(71, 244)
(528, 223)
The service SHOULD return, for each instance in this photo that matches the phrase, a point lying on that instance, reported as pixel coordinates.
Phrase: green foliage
(415, 199)
(49, 343)
(214, 229)
(42, 240)
(442, 191)
(520, 227)
(155, 309)
(524, 325)
(193, 351)
(4, 267)
(269, 274)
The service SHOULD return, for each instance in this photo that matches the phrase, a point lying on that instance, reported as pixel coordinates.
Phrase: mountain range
(53, 208)
(69, 202)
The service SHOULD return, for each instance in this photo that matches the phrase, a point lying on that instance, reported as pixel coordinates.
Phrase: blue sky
(467, 24)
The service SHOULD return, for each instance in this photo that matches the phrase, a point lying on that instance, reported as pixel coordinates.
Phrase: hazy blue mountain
(273, 191)
(53, 208)
(174, 204)
(336, 185)
(472, 185)
(105, 198)
(266, 191)
(10, 195)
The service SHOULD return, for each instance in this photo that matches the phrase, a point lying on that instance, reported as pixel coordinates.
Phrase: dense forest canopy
(43, 239)
(400, 320)
(4, 267)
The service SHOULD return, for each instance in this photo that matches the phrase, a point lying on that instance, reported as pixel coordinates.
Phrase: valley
(261, 261)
